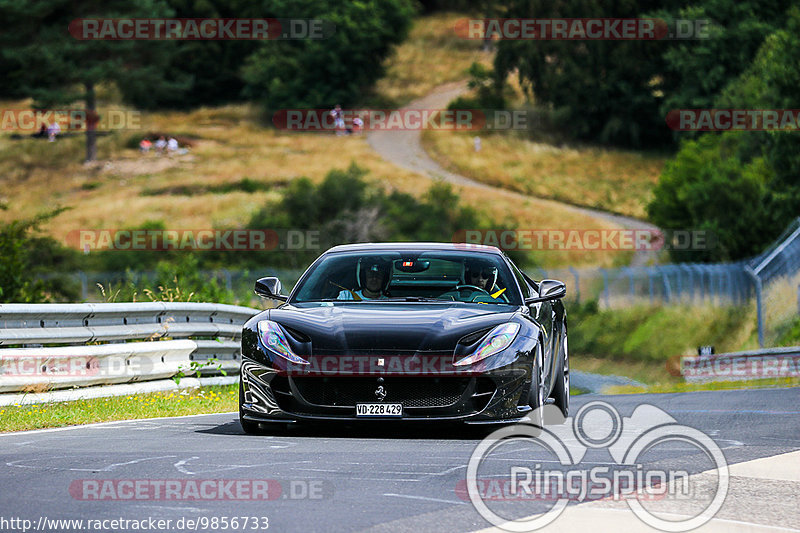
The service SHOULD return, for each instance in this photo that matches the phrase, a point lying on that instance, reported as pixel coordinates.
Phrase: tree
(56, 69)
(190, 81)
(602, 90)
(697, 70)
(312, 73)
(741, 185)
(23, 254)
(707, 188)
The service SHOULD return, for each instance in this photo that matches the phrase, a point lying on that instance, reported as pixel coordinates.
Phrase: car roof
(416, 246)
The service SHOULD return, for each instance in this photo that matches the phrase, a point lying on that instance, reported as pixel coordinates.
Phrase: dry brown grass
(432, 55)
(613, 180)
(231, 145)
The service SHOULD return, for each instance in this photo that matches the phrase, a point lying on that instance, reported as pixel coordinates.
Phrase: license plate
(379, 409)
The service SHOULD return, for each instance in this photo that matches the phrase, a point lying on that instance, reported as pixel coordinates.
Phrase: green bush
(26, 257)
(707, 187)
(652, 334)
(345, 208)
(177, 280)
(742, 186)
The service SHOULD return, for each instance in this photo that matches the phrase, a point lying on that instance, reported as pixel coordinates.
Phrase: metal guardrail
(736, 366)
(47, 345)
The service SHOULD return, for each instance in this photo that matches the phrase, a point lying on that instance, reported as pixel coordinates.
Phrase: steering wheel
(473, 288)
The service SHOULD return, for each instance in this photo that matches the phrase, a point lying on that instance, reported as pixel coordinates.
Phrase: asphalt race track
(375, 478)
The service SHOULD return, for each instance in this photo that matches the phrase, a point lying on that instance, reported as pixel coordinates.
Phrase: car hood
(388, 328)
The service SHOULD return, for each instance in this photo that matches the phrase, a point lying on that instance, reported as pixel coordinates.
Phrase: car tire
(248, 426)
(251, 427)
(536, 393)
(561, 386)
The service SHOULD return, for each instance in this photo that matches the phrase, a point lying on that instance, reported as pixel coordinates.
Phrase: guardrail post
(759, 304)
(84, 285)
(702, 283)
(631, 284)
(729, 284)
(577, 284)
(228, 280)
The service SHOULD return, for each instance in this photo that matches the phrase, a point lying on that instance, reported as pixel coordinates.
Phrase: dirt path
(404, 149)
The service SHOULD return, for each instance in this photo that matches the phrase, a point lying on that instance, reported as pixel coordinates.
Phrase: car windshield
(470, 277)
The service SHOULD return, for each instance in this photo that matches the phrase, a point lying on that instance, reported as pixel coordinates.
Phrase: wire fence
(717, 284)
(771, 278)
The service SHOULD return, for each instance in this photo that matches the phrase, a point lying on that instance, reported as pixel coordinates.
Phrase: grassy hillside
(237, 164)
(431, 56)
(614, 180)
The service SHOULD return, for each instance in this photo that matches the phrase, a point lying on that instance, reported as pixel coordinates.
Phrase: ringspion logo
(547, 468)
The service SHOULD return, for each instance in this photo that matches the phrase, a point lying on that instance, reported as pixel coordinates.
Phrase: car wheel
(536, 394)
(561, 386)
(248, 426)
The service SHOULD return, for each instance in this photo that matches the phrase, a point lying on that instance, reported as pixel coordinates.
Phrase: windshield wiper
(415, 299)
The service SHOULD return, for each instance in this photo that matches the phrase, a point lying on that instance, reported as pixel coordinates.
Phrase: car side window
(527, 290)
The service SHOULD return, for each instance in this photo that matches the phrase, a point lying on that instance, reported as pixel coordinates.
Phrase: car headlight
(274, 339)
(496, 341)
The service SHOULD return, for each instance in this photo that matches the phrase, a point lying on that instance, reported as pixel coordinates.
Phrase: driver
(374, 275)
(480, 278)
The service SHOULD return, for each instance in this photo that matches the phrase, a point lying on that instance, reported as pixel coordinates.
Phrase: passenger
(481, 275)
(374, 276)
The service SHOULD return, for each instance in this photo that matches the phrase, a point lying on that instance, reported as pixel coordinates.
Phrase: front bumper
(499, 395)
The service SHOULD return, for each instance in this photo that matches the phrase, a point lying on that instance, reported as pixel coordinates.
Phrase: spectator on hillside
(145, 145)
(161, 145)
(358, 125)
(53, 130)
(338, 119)
(172, 145)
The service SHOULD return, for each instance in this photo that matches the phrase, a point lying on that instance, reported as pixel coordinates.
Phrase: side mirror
(549, 289)
(270, 288)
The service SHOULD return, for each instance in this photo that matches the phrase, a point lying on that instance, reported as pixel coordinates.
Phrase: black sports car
(406, 331)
